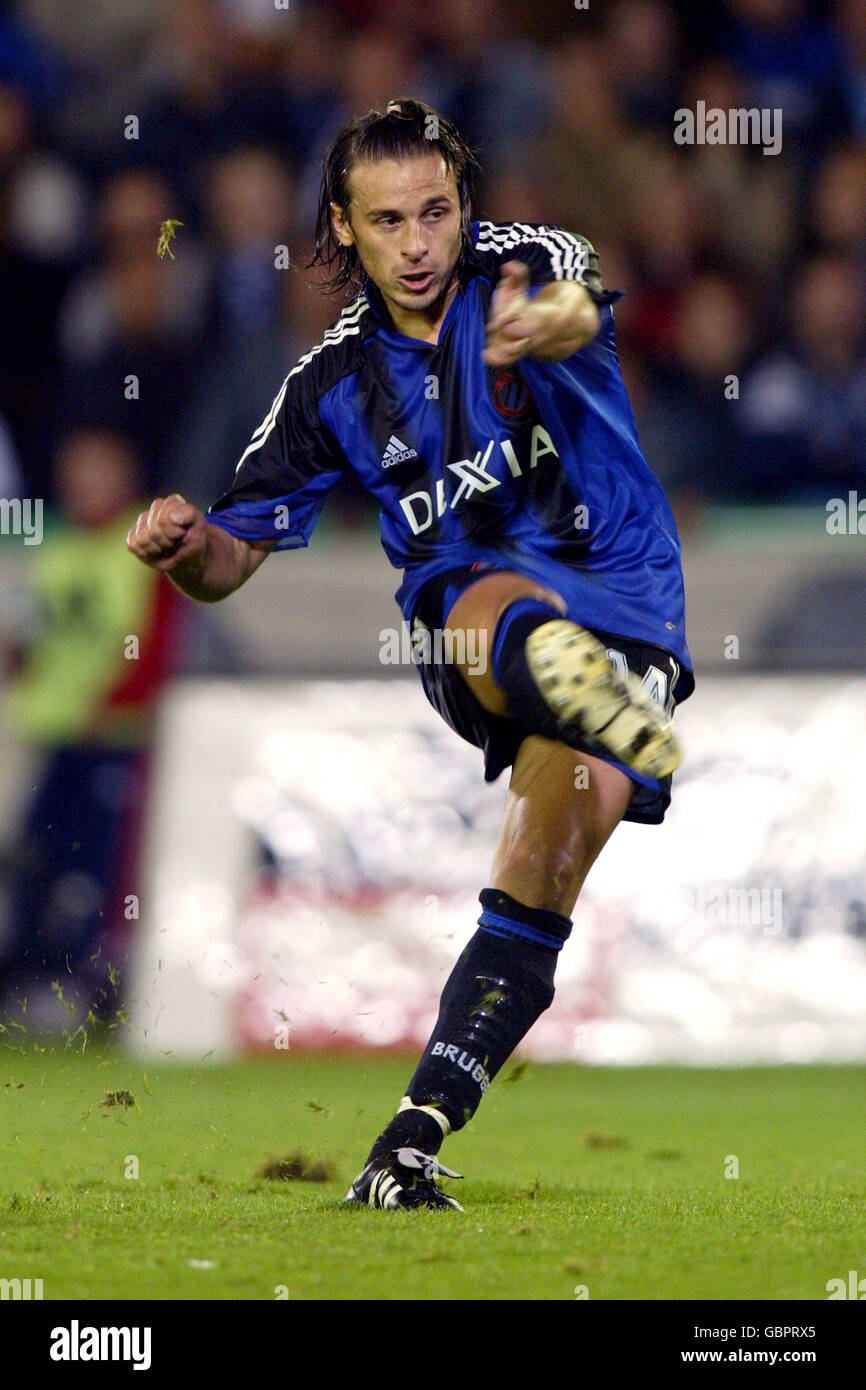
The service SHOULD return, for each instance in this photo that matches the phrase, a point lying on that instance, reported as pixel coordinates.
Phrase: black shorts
(499, 737)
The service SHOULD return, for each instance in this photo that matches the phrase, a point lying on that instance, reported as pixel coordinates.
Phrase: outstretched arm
(201, 559)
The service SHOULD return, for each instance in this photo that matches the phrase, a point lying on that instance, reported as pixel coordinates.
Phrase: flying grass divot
(298, 1167)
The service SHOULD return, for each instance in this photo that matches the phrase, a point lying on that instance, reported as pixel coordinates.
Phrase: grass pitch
(606, 1183)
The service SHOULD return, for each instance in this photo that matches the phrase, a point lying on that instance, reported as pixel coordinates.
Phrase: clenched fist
(172, 533)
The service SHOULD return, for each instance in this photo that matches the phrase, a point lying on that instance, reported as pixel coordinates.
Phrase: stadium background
(238, 851)
(244, 829)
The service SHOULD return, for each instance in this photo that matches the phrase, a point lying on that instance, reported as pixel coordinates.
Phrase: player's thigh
(563, 805)
(473, 620)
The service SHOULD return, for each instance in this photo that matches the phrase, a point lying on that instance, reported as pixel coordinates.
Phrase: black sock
(501, 984)
(410, 1128)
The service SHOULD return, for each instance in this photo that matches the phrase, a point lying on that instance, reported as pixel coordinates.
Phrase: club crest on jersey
(511, 395)
(397, 452)
(421, 507)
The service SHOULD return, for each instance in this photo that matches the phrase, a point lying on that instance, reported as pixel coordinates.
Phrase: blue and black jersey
(536, 466)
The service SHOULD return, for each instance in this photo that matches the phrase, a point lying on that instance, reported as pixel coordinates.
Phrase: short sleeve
(551, 253)
(286, 471)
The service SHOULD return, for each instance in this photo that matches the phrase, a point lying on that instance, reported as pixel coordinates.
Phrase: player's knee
(527, 589)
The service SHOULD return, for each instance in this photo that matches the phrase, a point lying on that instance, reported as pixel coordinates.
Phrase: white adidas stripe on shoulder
(564, 248)
(341, 329)
(494, 231)
(502, 235)
(568, 257)
(576, 256)
(348, 323)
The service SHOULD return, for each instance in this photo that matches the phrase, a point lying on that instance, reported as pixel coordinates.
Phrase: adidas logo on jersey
(396, 452)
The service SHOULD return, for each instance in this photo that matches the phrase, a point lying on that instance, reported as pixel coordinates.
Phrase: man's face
(404, 219)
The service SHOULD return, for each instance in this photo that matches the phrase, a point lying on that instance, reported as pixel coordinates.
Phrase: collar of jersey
(388, 331)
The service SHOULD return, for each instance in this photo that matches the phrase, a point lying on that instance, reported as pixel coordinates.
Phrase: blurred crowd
(741, 330)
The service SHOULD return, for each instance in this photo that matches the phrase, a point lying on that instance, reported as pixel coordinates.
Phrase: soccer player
(473, 386)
